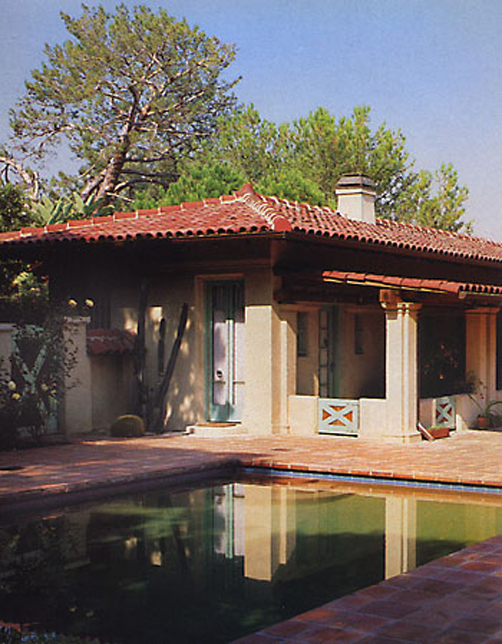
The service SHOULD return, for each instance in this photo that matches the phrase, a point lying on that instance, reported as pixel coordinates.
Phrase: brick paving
(454, 600)
(472, 458)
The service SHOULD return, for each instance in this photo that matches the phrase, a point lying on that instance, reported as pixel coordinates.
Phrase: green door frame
(231, 294)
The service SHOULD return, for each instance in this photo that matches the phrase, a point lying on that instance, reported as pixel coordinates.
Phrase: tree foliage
(12, 205)
(131, 92)
(198, 180)
(13, 216)
(304, 160)
(434, 199)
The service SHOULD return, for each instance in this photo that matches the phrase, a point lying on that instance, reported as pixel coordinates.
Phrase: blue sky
(432, 68)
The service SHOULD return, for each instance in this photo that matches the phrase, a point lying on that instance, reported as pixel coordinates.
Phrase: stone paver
(454, 600)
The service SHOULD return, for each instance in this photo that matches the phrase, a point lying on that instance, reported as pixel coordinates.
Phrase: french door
(225, 350)
(328, 346)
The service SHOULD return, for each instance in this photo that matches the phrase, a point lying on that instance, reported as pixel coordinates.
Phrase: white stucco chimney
(356, 197)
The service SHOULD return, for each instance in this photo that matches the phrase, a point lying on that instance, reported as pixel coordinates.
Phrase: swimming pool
(205, 565)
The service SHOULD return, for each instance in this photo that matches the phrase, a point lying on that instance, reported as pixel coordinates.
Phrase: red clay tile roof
(248, 212)
(411, 283)
(110, 342)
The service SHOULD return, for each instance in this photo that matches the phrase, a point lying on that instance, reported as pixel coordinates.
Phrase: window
(302, 348)
(358, 335)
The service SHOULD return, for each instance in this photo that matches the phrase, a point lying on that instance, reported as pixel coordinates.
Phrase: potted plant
(485, 417)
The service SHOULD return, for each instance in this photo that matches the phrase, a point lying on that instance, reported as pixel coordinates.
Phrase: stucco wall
(361, 353)
(167, 293)
(112, 389)
(307, 376)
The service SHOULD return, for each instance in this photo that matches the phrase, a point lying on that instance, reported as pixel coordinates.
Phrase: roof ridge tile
(118, 216)
(146, 212)
(164, 210)
(188, 205)
(79, 223)
(26, 231)
(260, 204)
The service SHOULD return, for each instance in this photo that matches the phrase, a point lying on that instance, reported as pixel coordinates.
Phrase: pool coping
(76, 492)
(387, 475)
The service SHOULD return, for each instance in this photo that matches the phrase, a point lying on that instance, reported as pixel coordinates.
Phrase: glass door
(225, 333)
(328, 335)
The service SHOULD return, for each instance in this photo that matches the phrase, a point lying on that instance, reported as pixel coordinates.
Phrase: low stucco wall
(372, 417)
(303, 414)
(304, 411)
(466, 411)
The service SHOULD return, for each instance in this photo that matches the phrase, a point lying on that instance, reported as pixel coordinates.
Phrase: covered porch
(383, 357)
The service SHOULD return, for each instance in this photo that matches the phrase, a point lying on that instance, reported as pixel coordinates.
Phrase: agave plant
(48, 211)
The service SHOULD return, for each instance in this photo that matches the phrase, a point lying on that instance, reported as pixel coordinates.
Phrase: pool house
(285, 318)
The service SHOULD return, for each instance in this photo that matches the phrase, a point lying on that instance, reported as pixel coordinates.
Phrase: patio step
(216, 429)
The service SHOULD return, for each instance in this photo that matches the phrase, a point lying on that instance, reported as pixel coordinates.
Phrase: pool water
(208, 565)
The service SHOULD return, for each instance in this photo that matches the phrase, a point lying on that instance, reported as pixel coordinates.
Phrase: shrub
(35, 379)
(127, 426)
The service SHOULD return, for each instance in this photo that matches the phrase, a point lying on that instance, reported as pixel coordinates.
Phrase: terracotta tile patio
(454, 600)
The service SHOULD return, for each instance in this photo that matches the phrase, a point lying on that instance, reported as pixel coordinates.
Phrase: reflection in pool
(207, 565)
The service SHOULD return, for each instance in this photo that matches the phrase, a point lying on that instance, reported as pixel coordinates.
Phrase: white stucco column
(77, 407)
(286, 368)
(270, 358)
(481, 346)
(401, 371)
(260, 385)
(6, 331)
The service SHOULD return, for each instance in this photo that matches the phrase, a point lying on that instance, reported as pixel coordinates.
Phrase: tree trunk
(108, 178)
(111, 177)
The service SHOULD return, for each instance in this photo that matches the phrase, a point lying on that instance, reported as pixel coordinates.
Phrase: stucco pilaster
(6, 331)
(401, 367)
(481, 346)
(77, 406)
(270, 358)
(286, 368)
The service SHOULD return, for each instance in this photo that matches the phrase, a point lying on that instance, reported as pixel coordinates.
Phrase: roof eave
(20, 245)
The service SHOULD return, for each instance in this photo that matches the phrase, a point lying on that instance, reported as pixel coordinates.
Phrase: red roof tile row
(248, 212)
(411, 283)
